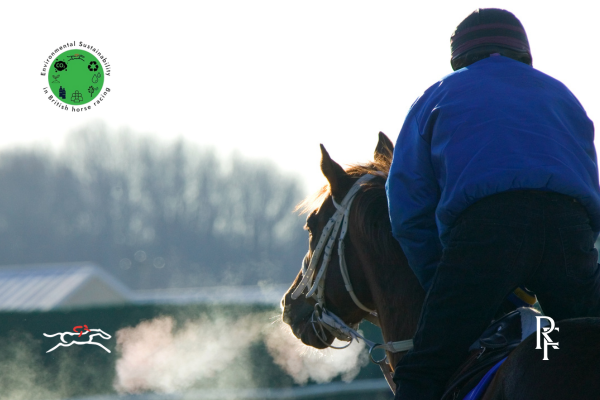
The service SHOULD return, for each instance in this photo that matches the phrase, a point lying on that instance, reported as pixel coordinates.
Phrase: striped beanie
(489, 27)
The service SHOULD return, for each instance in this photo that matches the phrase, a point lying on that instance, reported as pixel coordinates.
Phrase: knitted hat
(489, 27)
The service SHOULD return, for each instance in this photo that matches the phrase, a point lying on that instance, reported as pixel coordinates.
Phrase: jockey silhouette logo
(80, 327)
(79, 331)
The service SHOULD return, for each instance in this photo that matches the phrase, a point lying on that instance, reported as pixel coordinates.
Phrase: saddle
(488, 352)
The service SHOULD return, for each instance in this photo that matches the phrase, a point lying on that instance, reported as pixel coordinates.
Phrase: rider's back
(500, 125)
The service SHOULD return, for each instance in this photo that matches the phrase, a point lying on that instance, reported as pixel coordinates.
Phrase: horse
(380, 286)
(64, 343)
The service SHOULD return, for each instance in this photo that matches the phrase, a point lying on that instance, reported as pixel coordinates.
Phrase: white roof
(51, 286)
(46, 287)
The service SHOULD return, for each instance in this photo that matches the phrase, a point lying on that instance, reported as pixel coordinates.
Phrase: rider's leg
(567, 282)
(495, 246)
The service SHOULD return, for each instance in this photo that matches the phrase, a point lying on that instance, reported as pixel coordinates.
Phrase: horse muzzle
(298, 315)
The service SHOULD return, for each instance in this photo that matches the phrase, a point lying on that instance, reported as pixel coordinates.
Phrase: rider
(493, 185)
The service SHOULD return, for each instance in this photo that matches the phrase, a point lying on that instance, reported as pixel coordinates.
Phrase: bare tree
(154, 214)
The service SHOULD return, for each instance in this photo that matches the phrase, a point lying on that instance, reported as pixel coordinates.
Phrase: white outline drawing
(100, 333)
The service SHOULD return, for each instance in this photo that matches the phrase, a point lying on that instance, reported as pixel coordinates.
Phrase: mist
(154, 356)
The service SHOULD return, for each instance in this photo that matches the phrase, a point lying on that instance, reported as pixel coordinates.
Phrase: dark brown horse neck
(395, 291)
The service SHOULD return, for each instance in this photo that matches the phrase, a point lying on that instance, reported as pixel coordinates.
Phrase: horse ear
(339, 180)
(385, 149)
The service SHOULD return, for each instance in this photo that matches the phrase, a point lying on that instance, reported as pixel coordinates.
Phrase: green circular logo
(76, 77)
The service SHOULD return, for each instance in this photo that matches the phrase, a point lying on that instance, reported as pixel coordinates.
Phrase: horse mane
(371, 217)
(380, 167)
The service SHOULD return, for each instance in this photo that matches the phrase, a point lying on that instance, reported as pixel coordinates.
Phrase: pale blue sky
(270, 79)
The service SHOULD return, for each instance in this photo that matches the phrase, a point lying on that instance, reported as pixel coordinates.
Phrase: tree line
(153, 214)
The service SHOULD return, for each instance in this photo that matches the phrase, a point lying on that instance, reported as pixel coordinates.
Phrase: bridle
(323, 319)
(326, 244)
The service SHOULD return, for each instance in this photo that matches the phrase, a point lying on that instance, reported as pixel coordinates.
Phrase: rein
(323, 319)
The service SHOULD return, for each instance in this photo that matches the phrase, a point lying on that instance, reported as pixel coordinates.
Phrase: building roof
(45, 287)
(50, 286)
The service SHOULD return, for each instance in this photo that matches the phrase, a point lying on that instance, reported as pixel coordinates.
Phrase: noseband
(323, 319)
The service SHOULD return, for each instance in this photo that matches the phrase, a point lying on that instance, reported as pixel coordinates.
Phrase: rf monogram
(545, 332)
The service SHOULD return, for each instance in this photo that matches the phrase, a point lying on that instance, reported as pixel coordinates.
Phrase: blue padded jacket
(494, 126)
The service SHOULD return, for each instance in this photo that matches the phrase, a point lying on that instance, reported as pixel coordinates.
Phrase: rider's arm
(413, 195)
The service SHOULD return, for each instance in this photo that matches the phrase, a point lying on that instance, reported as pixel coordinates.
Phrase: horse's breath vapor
(155, 357)
(303, 363)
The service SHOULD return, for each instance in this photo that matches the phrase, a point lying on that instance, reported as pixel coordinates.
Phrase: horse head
(101, 334)
(376, 267)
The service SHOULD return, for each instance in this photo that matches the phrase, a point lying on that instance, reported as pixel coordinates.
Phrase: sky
(267, 79)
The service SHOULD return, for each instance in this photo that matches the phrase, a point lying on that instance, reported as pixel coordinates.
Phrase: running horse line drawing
(76, 57)
(84, 331)
(374, 282)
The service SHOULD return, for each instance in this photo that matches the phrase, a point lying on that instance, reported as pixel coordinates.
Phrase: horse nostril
(286, 312)
(285, 316)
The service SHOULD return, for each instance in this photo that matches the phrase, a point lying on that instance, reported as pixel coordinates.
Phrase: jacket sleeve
(413, 195)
